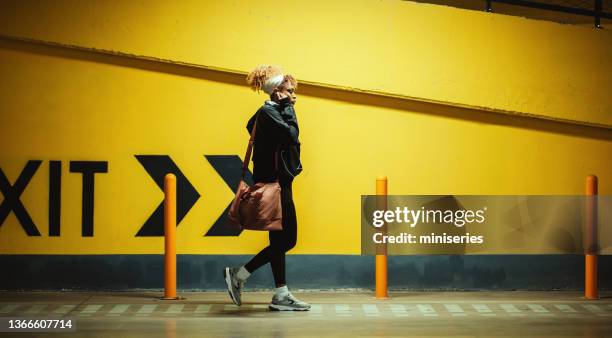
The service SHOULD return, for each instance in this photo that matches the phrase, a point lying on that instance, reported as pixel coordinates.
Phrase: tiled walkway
(333, 314)
(325, 311)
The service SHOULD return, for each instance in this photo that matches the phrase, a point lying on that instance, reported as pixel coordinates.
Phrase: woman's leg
(280, 241)
(284, 240)
(282, 299)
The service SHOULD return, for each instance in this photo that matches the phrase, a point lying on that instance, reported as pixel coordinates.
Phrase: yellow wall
(424, 51)
(68, 105)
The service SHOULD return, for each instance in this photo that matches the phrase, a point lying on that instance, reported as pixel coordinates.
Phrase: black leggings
(280, 241)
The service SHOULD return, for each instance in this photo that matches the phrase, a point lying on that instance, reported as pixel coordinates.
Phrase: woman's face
(289, 89)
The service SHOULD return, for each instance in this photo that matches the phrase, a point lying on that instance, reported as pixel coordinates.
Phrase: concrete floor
(334, 314)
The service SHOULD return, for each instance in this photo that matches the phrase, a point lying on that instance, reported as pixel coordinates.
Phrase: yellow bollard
(170, 237)
(381, 248)
(590, 263)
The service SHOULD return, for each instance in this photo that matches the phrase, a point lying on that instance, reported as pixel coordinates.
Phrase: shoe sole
(275, 307)
(228, 282)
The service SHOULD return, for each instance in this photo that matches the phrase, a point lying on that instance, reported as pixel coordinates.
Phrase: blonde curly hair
(258, 76)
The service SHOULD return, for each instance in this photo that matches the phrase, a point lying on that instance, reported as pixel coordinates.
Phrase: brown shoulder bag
(256, 207)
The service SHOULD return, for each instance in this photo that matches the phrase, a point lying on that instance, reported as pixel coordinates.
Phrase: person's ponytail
(258, 76)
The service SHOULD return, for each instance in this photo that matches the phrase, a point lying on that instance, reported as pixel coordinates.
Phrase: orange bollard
(170, 237)
(590, 263)
(381, 249)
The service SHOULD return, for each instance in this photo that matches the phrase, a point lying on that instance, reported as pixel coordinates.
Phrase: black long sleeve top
(277, 128)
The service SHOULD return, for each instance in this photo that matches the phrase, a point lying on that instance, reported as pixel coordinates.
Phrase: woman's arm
(288, 114)
(287, 129)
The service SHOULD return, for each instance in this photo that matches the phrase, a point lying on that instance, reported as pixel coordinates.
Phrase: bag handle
(247, 156)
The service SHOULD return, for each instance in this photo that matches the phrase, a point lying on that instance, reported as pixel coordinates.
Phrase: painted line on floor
(35, 308)
(175, 309)
(455, 310)
(230, 307)
(537, 308)
(509, 308)
(592, 308)
(370, 310)
(91, 309)
(202, 308)
(399, 310)
(483, 310)
(427, 310)
(118, 309)
(343, 310)
(146, 310)
(63, 309)
(565, 308)
(8, 308)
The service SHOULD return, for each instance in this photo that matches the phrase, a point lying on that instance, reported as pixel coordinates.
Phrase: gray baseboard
(204, 272)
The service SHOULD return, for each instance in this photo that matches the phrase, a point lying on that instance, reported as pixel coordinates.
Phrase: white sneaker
(234, 284)
(288, 303)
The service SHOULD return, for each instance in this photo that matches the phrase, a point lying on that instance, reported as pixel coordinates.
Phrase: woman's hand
(281, 97)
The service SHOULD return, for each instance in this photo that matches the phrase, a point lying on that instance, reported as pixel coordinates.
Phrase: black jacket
(277, 126)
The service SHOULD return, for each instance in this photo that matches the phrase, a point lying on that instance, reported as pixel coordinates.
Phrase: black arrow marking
(11, 197)
(229, 167)
(157, 166)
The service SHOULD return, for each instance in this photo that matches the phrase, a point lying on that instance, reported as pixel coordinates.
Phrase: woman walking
(277, 130)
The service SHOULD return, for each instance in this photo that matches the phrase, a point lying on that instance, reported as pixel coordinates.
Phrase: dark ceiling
(536, 13)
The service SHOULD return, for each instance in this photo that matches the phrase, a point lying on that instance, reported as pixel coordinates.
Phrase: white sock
(243, 273)
(281, 292)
